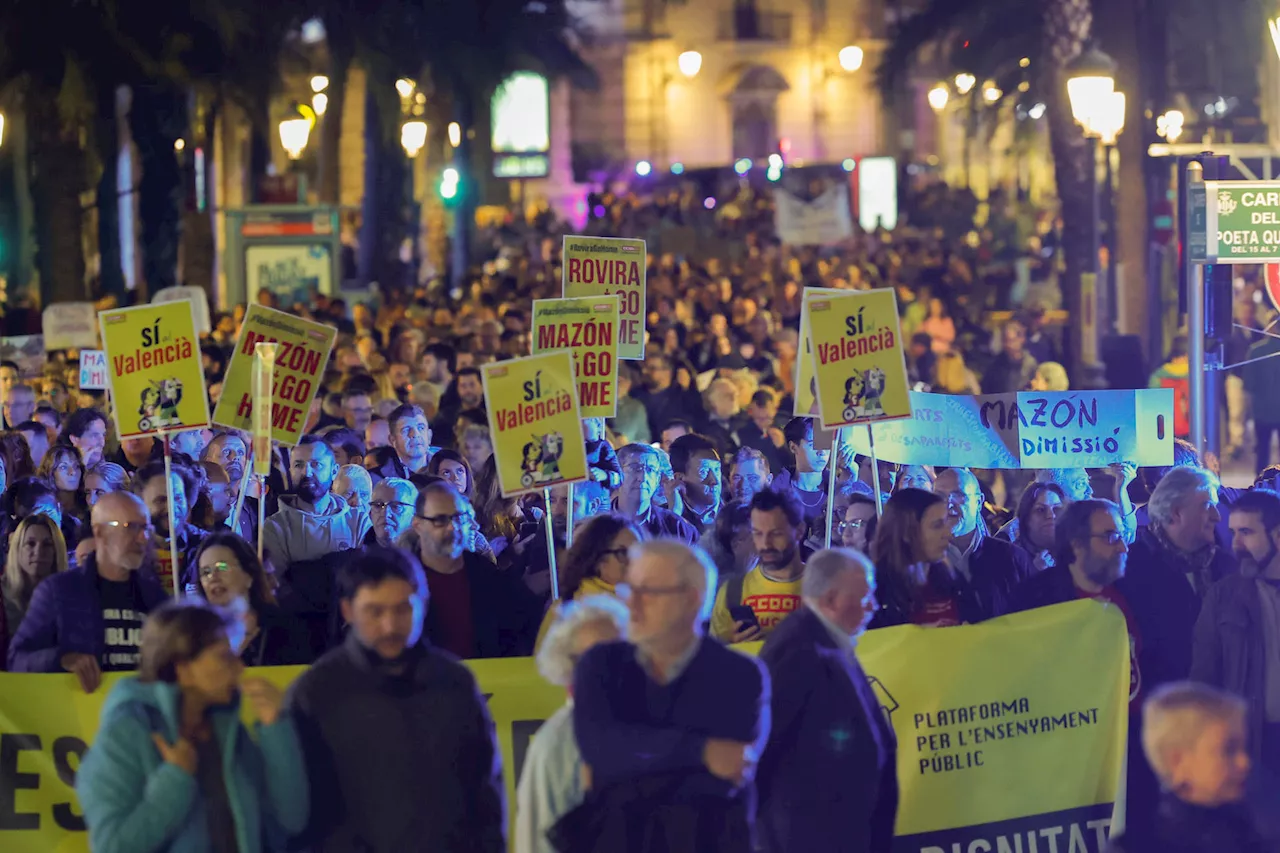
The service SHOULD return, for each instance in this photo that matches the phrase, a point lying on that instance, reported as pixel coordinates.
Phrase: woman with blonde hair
(36, 551)
(172, 767)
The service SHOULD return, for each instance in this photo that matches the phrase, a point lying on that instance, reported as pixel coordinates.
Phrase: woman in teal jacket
(172, 769)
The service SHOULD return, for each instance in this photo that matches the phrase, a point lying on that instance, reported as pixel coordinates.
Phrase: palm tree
(988, 38)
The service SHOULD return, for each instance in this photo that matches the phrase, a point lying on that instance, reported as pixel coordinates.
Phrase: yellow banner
(1008, 731)
(858, 360)
(588, 327)
(154, 369)
(534, 421)
(805, 401)
(301, 357)
(599, 266)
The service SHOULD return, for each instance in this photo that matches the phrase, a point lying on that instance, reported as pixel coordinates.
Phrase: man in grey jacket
(401, 752)
(312, 522)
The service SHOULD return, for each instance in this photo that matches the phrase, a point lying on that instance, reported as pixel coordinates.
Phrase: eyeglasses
(210, 571)
(440, 522)
(383, 506)
(627, 592)
(616, 553)
(1111, 537)
(642, 470)
(856, 524)
(132, 526)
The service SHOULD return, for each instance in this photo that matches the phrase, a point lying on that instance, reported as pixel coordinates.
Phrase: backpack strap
(733, 591)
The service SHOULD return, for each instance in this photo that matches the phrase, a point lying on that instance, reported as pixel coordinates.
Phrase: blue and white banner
(1064, 429)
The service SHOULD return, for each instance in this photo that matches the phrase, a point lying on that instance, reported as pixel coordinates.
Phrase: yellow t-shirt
(590, 586)
(771, 600)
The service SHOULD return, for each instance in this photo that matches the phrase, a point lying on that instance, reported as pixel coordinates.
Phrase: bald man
(991, 568)
(89, 620)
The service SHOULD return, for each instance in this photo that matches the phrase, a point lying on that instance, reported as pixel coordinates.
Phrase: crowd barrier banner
(1031, 429)
(301, 357)
(599, 266)
(857, 357)
(533, 418)
(1011, 732)
(154, 369)
(588, 327)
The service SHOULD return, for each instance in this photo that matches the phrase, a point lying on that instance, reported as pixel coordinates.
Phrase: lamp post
(294, 133)
(1108, 122)
(1091, 80)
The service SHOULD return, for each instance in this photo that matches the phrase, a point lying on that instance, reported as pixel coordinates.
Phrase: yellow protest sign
(1009, 733)
(858, 361)
(534, 422)
(588, 327)
(805, 400)
(599, 266)
(301, 357)
(154, 369)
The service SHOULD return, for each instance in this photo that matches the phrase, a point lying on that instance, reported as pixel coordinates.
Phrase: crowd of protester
(391, 553)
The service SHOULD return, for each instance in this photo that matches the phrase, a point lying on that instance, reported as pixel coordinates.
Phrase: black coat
(398, 762)
(827, 779)
(505, 614)
(1179, 827)
(1229, 648)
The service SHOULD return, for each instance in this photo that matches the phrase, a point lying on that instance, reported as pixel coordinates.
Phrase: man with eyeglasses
(478, 611)
(670, 723)
(89, 620)
(641, 476)
(990, 568)
(391, 511)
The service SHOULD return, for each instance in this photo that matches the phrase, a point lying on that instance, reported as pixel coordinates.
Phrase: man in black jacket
(1236, 636)
(991, 568)
(828, 776)
(400, 749)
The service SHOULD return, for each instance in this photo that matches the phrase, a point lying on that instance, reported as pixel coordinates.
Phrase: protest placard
(1062, 429)
(93, 370)
(599, 266)
(26, 351)
(534, 422)
(70, 325)
(805, 400)
(302, 355)
(154, 369)
(588, 327)
(198, 298)
(859, 366)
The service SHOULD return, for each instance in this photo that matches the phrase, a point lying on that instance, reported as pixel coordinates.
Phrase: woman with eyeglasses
(37, 551)
(231, 578)
(596, 563)
(914, 584)
(172, 767)
(857, 526)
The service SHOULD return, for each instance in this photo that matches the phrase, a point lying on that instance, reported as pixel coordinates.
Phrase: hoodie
(135, 802)
(294, 535)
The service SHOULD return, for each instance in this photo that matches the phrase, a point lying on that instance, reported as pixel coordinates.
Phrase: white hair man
(1196, 740)
(671, 722)
(354, 486)
(550, 782)
(1182, 532)
(827, 778)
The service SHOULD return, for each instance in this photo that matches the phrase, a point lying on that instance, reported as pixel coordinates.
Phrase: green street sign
(1235, 222)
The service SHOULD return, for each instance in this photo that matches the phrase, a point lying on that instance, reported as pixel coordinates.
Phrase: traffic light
(450, 181)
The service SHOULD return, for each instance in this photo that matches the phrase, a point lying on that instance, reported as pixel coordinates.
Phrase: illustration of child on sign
(862, 393)
(541, 459)
(159, 407)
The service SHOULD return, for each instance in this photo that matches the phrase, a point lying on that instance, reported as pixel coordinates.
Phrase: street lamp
(1090, 77)
(965, 83)
(1169, 125)
(405, 87)
(413, 136)
(319, 103)
(455, 134)
(319, 83)
(938, 97)
(991, 92)
(293, 136)
(689, 63)
(850, 57)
